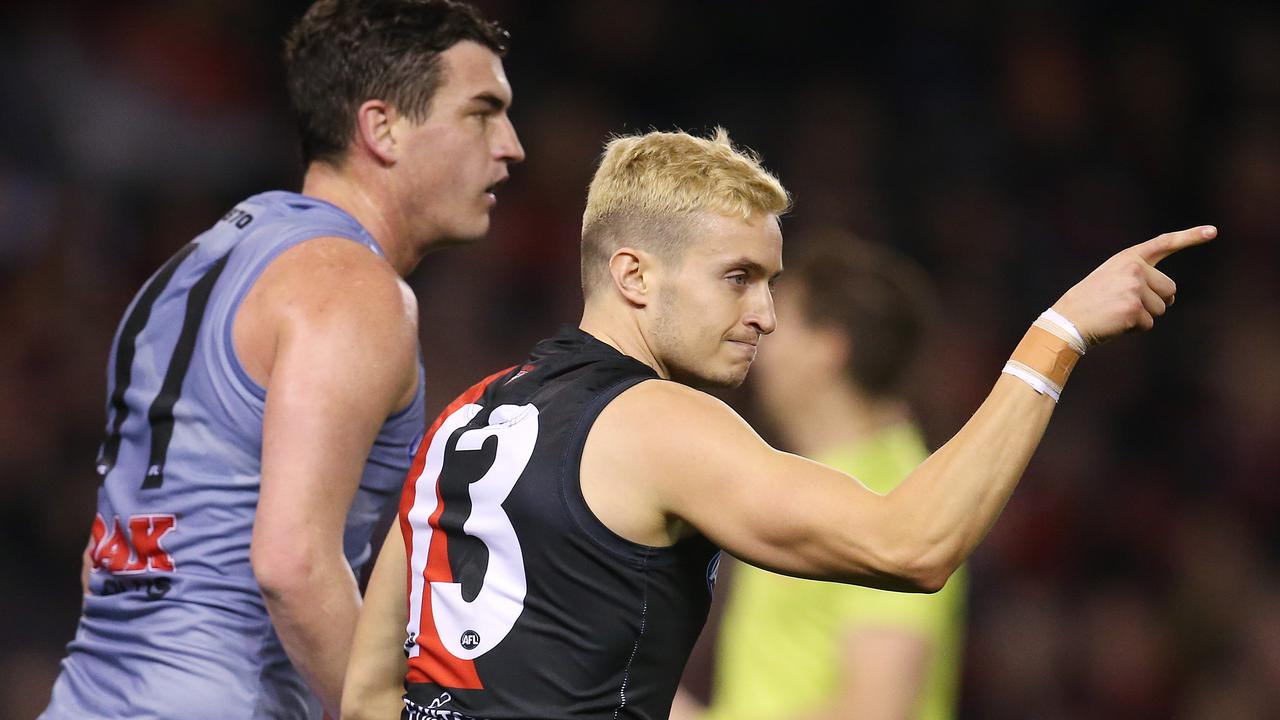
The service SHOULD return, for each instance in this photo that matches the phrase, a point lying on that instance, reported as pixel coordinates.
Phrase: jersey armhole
(419, 394)
(238, 372)
(634, 553)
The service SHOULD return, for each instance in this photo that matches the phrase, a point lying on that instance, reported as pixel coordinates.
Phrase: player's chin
(479, 226)
(727, 377)
(468, 233)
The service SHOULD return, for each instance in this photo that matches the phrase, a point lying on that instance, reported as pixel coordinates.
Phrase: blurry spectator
(851, 317)
(1003, 147)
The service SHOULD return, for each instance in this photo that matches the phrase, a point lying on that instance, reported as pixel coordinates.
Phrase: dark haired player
(265, 388)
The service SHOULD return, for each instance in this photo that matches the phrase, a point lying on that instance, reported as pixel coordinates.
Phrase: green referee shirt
(780, 644)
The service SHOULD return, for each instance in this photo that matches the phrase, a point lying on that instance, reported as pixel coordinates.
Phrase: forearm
(791, 515)
(949, 503)
(375, 675)
(951, 500)
(314, 615)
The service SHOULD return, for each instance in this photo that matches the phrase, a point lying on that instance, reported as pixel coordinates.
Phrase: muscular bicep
(702, 464)
(343, 360)
(785, 513)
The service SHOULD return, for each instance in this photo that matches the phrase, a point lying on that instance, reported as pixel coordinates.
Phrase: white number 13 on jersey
(470, 629)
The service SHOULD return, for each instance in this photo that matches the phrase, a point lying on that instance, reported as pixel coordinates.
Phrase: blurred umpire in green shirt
(851, 317)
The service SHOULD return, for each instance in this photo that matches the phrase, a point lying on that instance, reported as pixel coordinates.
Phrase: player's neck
(837, 417)
(620, 334)
(342, 187)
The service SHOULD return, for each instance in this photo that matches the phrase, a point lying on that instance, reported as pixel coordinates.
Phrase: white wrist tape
(1047, 354)
(1038, 382)
(1054, 322)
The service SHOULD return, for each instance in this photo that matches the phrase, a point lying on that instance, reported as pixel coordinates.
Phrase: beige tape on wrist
(1043, 360)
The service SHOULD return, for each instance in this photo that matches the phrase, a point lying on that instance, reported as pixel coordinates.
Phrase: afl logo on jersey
(713, 572)
(470, 640)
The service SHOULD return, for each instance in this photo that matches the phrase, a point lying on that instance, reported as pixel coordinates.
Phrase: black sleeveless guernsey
(522, 604)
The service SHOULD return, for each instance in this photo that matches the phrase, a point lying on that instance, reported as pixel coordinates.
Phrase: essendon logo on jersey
(523, 371)
(136, 550)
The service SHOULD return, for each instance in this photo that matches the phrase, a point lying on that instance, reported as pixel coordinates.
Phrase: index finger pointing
(1162, 246)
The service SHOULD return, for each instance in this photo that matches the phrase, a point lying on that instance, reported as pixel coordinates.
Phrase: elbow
(898, 567)
(901, 563)
(930, 580)
(281, 570)
(926, 570)
(912, 556)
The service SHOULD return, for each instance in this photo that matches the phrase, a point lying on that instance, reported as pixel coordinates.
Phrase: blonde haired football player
(559, 531)
(648, 189)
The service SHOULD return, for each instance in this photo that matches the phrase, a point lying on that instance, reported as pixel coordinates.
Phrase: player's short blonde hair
(649, 186)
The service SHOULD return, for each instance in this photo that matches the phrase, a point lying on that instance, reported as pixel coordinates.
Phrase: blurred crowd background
(1009, 147)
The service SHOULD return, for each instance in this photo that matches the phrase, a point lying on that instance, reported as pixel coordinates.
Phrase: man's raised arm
(702, 464)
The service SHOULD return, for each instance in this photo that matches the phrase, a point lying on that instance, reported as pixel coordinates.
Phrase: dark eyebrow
(493, 102)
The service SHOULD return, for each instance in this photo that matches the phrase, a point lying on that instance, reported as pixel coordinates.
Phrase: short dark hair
(882, 300)
(344, 52)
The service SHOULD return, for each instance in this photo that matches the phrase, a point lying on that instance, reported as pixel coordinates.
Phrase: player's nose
(762, 316)
(507, 144)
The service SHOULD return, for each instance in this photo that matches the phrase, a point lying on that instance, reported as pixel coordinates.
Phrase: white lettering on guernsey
(424, 505)
(469, 629)
(435, 711)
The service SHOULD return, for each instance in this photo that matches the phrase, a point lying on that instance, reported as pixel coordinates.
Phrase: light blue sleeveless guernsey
(175, 625)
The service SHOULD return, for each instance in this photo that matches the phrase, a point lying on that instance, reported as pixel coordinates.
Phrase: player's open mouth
(492, 189)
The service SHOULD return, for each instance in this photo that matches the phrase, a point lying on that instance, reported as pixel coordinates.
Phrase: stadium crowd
(1136, 573)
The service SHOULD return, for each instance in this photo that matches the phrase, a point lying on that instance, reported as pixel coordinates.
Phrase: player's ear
(629, 269)
(377, 125)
